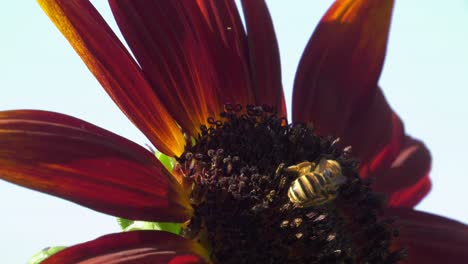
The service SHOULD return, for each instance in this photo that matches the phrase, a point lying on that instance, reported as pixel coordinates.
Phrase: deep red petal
(138, 247)
(115, 69)
(75, 160)
(407, 179)
(399, 164)
(232, 54)
(377, 136)
(193, 53)
(264, 56)
(340, 67)
(186, 259)
(430, 238)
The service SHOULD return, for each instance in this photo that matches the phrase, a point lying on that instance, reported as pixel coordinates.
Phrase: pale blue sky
(425, 79)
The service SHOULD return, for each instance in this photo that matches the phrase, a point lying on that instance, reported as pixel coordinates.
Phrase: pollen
(237, 170)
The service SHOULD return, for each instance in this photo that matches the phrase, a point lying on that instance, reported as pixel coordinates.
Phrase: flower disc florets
(240, 196)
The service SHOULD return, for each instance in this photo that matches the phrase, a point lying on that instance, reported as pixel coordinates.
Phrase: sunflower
(247, 186)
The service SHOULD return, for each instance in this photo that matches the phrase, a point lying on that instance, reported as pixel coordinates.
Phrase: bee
(316, 184)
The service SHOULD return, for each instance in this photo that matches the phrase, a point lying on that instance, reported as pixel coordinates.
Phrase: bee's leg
(279, 174)
(279, 170)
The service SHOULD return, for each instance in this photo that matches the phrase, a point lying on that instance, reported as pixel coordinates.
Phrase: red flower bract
(194, 56)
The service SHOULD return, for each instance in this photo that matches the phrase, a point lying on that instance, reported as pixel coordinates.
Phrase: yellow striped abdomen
(312, 189)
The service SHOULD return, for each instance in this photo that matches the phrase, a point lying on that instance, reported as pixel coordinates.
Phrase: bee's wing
(337, 179)
(321, 166)
(332, 165)
(340, 180)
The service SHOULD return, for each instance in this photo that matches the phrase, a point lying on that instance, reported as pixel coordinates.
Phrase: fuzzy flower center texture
(264, 191)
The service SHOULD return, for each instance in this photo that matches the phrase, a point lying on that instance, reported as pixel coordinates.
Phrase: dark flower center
(240, 179)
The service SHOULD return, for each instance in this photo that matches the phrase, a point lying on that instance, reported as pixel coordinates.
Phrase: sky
(424, 78)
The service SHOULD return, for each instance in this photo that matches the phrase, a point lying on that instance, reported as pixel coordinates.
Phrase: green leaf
(124, 223)
(170, 227)
(142, 225)
(131, 225)
(43, 254)
(167, 161)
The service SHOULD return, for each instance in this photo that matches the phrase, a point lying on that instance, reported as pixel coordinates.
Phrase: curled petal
(133, 247)
(340, 67)
(378, 139)
(115, 69)
(377, 136)
(264, 56)
(336, 89)
(192, 52)
(407, 180)
(399, 164)
(75, 160)
(430, 238)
